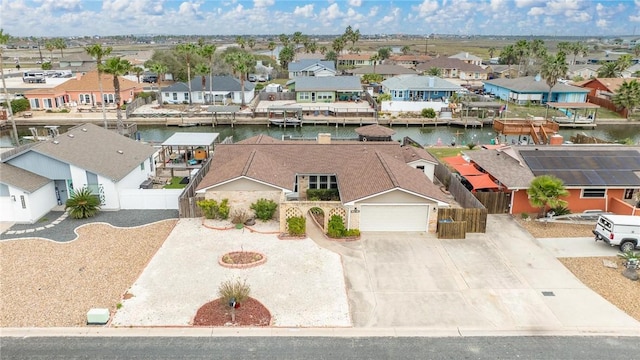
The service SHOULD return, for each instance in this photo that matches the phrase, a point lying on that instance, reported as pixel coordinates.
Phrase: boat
(573, 120)
(286, 122)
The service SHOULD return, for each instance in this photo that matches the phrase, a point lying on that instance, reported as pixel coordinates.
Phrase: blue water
(424, 135)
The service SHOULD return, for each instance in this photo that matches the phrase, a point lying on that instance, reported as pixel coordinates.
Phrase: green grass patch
(448, 151)
(175, 183)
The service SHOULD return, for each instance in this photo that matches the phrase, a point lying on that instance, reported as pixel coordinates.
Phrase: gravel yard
(607, 282)
(51, 284)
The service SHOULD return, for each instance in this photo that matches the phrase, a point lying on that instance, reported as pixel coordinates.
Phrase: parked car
(150, 78)
(619, 230)
(252, 78)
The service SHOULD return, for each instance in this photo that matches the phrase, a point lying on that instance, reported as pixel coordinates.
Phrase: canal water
(426, 136)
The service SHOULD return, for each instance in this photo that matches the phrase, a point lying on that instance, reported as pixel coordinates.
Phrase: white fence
(412, 106)
(158, 199)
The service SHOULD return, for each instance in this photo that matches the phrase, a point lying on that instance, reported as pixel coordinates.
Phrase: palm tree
(609, 70)
(374, 59)
(286, 56)
(82, 204)
(313, 47)
(406, 49)
(187, 51)
(202, 70)
(50, 47)
(240, 62)
(208, 52)
(332, 56)
(508, 56)
(60, 44)
(4, 40)
(271, 46)
(338, 44)
(160, 69)
(323, 49)
(98, 52)
(578, 49)
(297, 39)
(522, 51)
(138, 71)
(434, 71)
(251, 43)
(118, 67)
(545, 191)
(554, 67)
(628, 96)
(624, 62)
(636, 50)
(241, 41)
(384, 53)
(284, 39)
(492, 50)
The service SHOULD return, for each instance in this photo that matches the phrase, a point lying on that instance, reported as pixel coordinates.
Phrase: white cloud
(304, 11)
(354, 16)
(373, 11)
(60, 5)
(536, 11)
(497, 5)
(355, 3)
(132, 8)
(427, 7)
(393, 16)
(331, 13)
(263, 3)
(603, 24)
(190, 9)
(527, 3)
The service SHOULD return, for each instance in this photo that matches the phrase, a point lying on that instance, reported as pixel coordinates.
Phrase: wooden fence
(495, 202)
(187, 207)
(452, 229)
(275, 96)
(475, 220)
(607, 104)
(136, 103)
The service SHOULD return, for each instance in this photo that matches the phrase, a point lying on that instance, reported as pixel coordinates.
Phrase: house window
(35, 103)
(47, 103)
(594, 193)
(304, 96)
(108, 98)
(323, 182)
(142, 165)
(186, 96)
(22, 201)
(175, 96)
(85, 99)
(166, 94)
(420, 167)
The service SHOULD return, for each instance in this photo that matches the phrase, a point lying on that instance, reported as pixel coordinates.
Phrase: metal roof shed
(186, 150)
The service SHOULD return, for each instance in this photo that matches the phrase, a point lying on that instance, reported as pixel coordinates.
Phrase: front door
(313, 97)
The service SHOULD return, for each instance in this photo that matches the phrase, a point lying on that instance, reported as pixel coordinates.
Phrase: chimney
(466, 55)
(431, 81)
(79, 75)
(324, 138)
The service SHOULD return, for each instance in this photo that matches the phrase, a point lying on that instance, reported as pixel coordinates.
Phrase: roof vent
(70, 135)
(120, 152)
(56, 142)
(84, 129)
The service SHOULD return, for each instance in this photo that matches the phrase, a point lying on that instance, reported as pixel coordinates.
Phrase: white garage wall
(149, 199)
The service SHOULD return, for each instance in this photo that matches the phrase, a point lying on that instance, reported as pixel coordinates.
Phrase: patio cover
(191, 139)
(467, 169)
(481, 182)
(452, 160)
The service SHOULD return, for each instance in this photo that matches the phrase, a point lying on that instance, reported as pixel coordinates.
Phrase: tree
(406, 49)
(241, 62)
(202, 70)
(492, 50)
(284, 39)
(609, 70)
(636, 50)
(522, 51)
(371, 78)
(553, 68)
(82, 204)
(628, 96)
(578, 48)
(117, 67)
(271, 46)
(508, 56)
(323, 49)
(187, 51)
(384, 53)
(251, 43)
(333, 56)
(4, 40)
(338, 44)
(138, 71)
(434, 71)
(545, 191)
(241, 41)
(98, 52)
(375, 58)
(160, 69)
(208, 52)
(286, 56)
(60, 44)
(624, 62)
(50, 46)
(296, 39)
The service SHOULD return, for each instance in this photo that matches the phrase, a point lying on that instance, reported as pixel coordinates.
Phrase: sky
(62, 18)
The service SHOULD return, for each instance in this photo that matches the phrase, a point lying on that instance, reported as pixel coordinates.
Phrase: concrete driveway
(501, 280)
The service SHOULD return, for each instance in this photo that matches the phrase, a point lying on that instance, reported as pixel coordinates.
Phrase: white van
(620, 230)
(34, 77)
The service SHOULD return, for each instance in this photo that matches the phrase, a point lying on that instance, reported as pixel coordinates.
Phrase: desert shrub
(323, 194)
(18, 105)
(234, 289)
(471, 146)
(335, 228)
(560, 210)
(352, 232)
(428, 113)
(264, 209)
(524, 216)
(297, 225)
(82, 204)
(240, 216)
(212, 210)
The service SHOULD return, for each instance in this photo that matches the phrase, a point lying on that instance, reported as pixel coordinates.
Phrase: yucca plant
(234, 293)
(82, 204)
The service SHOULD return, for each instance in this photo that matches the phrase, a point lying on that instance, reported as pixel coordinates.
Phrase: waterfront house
(386, 71)
(419, 88)
(326, 89)
(375, 189)
(454, 68)
(311, 67)
(534, 89)
(37, 177)
(226, 90)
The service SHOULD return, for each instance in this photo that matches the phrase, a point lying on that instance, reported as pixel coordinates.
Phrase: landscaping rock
(631, 274)
(609, 264)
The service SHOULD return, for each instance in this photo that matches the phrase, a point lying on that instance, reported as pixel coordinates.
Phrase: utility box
(98, 316)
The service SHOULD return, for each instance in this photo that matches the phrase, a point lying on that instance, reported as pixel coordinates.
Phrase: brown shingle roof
(412, 153)
(505, 165)
(449, 63)
(362, 169)
(20, 178)
(374, 130)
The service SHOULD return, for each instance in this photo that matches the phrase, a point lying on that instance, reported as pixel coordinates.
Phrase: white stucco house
(225, 90)
(37, 177)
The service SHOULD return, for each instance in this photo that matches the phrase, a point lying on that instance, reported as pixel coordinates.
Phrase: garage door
(393, 217)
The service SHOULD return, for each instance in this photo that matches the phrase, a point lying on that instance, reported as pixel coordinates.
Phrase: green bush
(560, 210)
(428, 113)
(352, 233)
(323, 194)
(524, 216)
(471, 146)
(18, 105)
(82, 204)
(297, 225)
(264, 209)
(336, 228)
(212, 210)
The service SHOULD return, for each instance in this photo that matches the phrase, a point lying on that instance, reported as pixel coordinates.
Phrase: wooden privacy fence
(187, 207)
(452, 229)
(475, 219)
(494, 202)
(607, 104)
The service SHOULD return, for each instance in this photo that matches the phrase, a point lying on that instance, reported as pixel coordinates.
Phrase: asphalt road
(459, 348)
